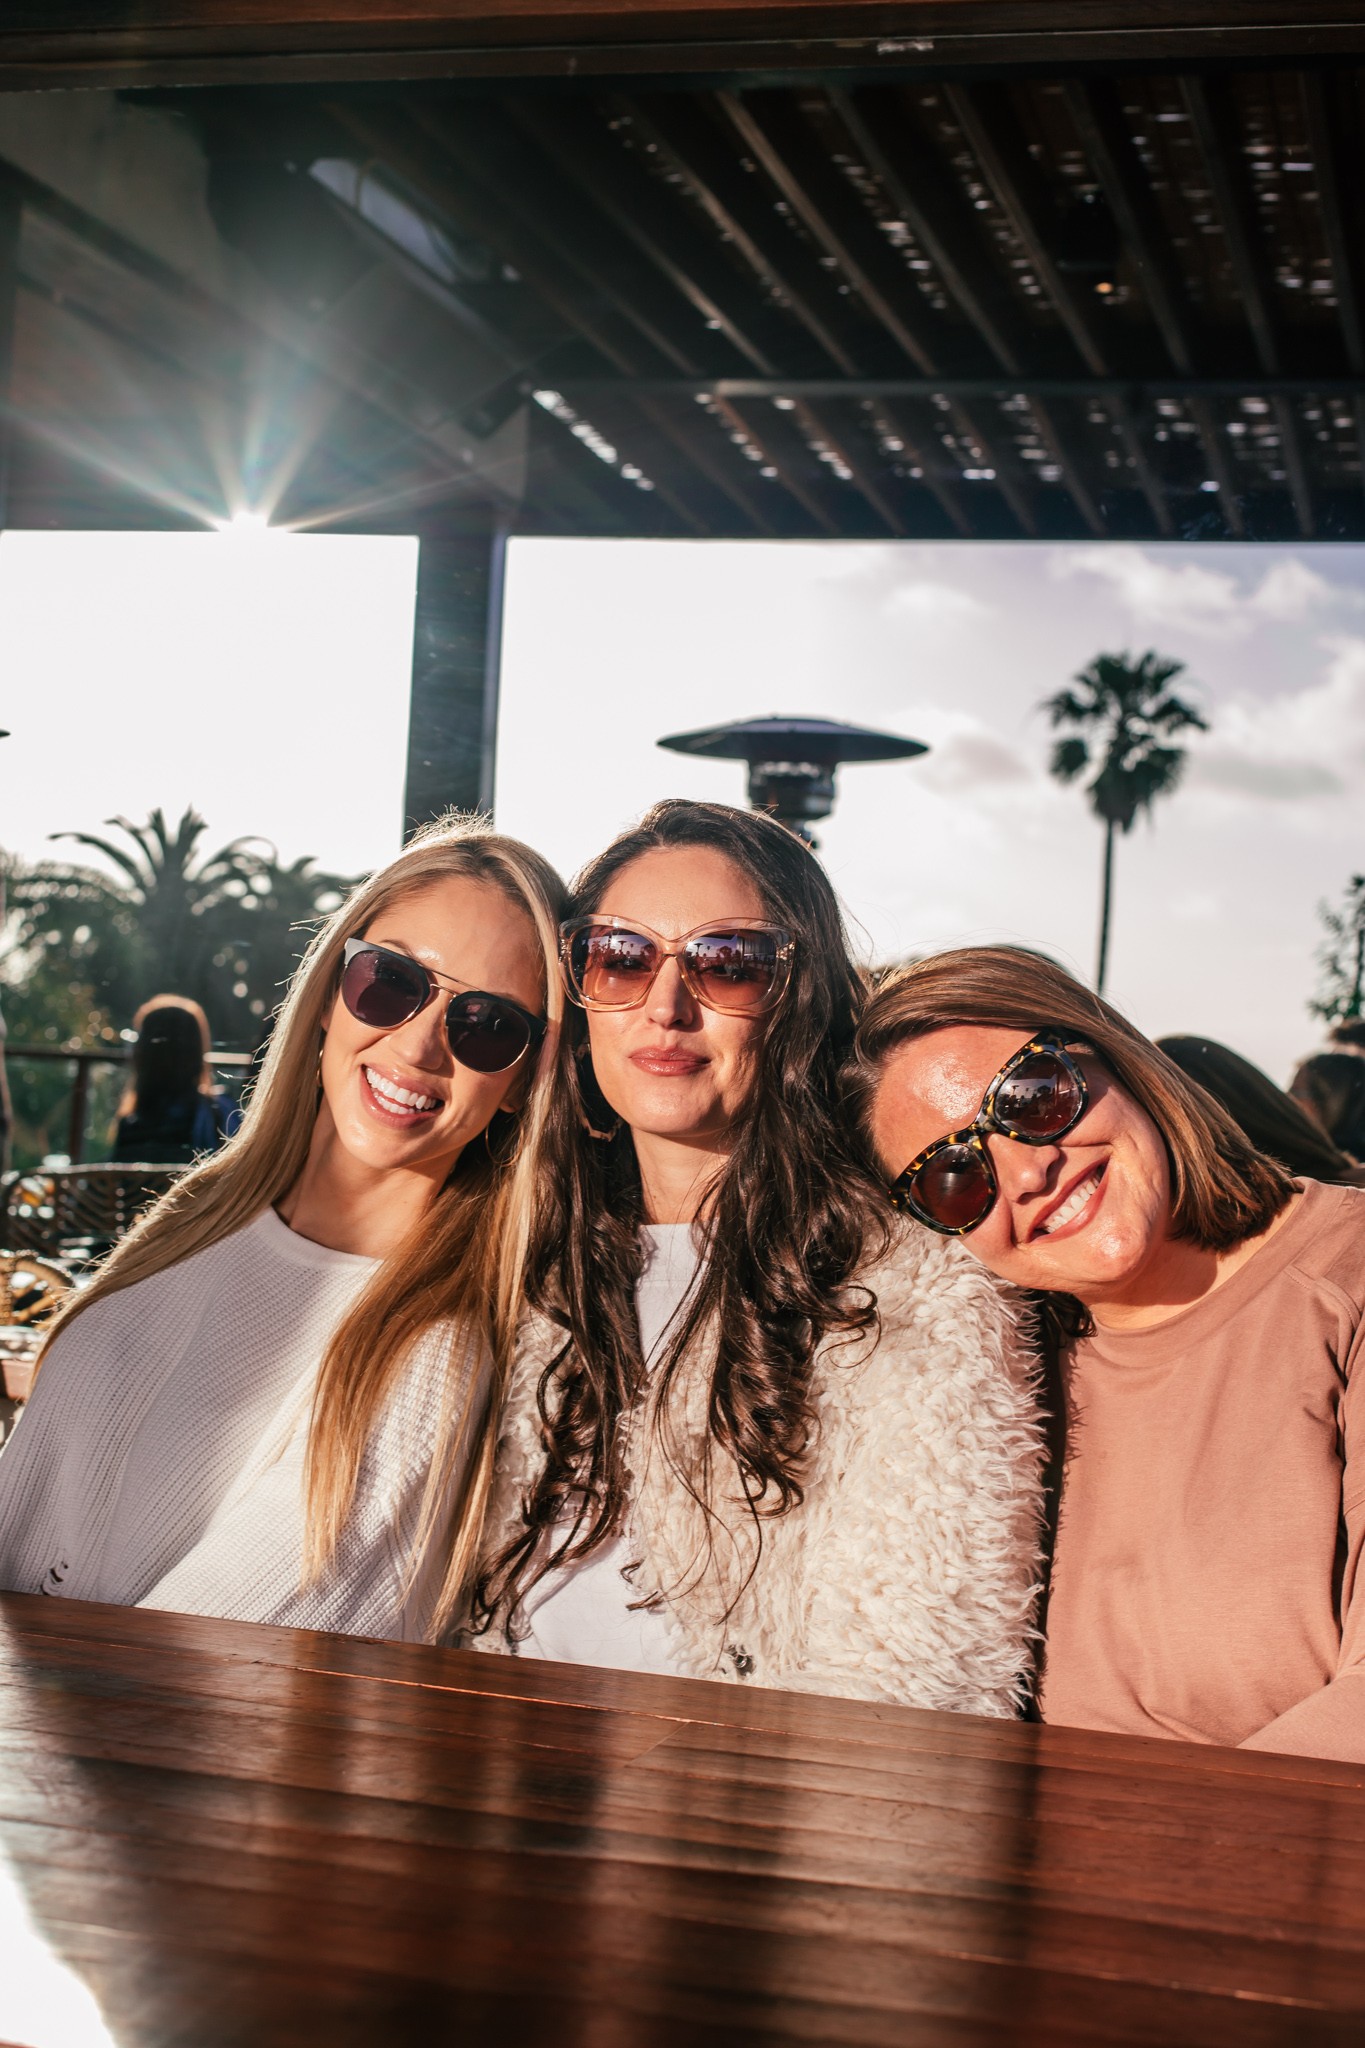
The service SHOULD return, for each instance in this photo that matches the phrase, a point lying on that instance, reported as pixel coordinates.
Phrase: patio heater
(792, 761)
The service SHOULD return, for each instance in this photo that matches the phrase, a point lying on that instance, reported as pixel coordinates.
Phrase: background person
(1274, 1122)
(1330, 1086)
(1206, 1575)
(754, 1434)
(272, 1403)
(171, 1113)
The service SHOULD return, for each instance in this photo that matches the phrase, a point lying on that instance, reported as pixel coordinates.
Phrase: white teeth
(1073, 1204)
(395, 1097)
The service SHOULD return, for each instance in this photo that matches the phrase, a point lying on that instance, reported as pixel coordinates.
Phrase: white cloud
(1195, 599)
(933, 603)
(1300, 743)
(1289, 590)
(974, 758)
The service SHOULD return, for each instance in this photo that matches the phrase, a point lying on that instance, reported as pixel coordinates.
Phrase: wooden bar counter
(213, 1833)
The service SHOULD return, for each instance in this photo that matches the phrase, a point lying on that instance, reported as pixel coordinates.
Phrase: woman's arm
(1331, 1722)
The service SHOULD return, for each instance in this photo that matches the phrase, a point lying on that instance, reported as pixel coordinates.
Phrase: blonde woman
(273, 1402)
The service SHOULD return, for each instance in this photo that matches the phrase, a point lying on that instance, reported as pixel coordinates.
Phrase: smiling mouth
(399, 1101)
(1067, 1211)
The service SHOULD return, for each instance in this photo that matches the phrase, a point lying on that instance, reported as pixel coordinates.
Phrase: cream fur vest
(909, 1571)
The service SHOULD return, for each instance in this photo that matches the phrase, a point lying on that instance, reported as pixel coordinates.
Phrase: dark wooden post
(11, 225)
(457, 646)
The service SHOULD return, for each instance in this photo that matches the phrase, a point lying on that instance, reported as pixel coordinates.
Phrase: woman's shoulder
(1328, 1239)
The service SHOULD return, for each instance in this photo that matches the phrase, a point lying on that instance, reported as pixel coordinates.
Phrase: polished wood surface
(228, 1833)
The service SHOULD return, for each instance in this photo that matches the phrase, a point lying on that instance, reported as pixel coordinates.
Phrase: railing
(85, 1061)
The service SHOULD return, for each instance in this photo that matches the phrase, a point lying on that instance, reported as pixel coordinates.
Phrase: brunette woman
(1205, 1582)
(272, 1404)
(171, 1113)
(1275, 1123)
(754, 1433)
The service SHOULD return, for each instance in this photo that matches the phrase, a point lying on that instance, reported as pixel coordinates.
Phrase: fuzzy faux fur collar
(909, 1571)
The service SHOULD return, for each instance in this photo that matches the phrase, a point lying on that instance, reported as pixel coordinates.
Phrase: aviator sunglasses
(1037, 1097)
(738, 968)
(487, 1033)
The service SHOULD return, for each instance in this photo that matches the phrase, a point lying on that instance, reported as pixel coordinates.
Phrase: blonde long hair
(462, 1264)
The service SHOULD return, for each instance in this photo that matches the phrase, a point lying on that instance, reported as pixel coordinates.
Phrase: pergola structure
(986, 268)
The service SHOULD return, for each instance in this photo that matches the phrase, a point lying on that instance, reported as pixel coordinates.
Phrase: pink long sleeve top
(1207, 1582)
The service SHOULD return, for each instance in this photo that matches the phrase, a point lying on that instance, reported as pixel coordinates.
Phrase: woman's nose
(422, 1041)
(1022, 1169)
(670, 999)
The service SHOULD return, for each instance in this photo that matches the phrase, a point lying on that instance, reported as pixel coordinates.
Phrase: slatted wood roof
(893, 300)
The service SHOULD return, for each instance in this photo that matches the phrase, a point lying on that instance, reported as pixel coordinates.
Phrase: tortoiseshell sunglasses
(1037, 1097)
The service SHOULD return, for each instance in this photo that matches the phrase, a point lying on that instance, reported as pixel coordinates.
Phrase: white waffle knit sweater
(160, 1460)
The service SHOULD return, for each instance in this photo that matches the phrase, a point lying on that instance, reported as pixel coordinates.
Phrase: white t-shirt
(582, 1613)
(160, 1461)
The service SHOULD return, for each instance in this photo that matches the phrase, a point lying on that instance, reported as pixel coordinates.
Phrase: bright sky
(610, 644)
(261, 677)
(265, 679)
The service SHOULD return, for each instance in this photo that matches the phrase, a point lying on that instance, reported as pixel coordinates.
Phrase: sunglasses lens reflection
(735, 971)
(612, 969)
(1039, 1099)
(380, 990)
(954, 1188)
(486, 1035)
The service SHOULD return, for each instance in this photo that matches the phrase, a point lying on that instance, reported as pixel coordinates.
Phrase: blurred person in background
(1207, 1315)
(1274, 1122)
(1348, 1034)
(273, 1402)
(171, 1112)
(1330, 1086)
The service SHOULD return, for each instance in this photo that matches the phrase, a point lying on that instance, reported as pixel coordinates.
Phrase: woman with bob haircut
(753, 1433)
(1210, 1309)
(273, 1402)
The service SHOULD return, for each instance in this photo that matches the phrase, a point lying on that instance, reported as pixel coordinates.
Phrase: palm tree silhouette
(1125, 714)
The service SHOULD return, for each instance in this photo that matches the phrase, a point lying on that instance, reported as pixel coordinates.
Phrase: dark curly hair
(793, 1215)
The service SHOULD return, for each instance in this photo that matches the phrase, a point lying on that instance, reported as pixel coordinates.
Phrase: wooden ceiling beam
(698, 450)
(1214, 123)
(991, 127)
(832, 216)
(1219, 464)
(116, 44)
(665, 237)
(625, 195)
(479, 158)
(785, 453)
(949, 495)
(693, 152)
(1343, 247)
(842, 442)
(915, 181)
(1096, 110)
(512, 222)
(1213, 118)
(946, 228)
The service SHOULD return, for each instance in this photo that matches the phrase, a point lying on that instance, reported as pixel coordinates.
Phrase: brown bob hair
(1223, 1189)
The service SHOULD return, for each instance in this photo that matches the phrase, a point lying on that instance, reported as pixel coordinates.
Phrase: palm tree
(225, 927)
(1125, 714)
